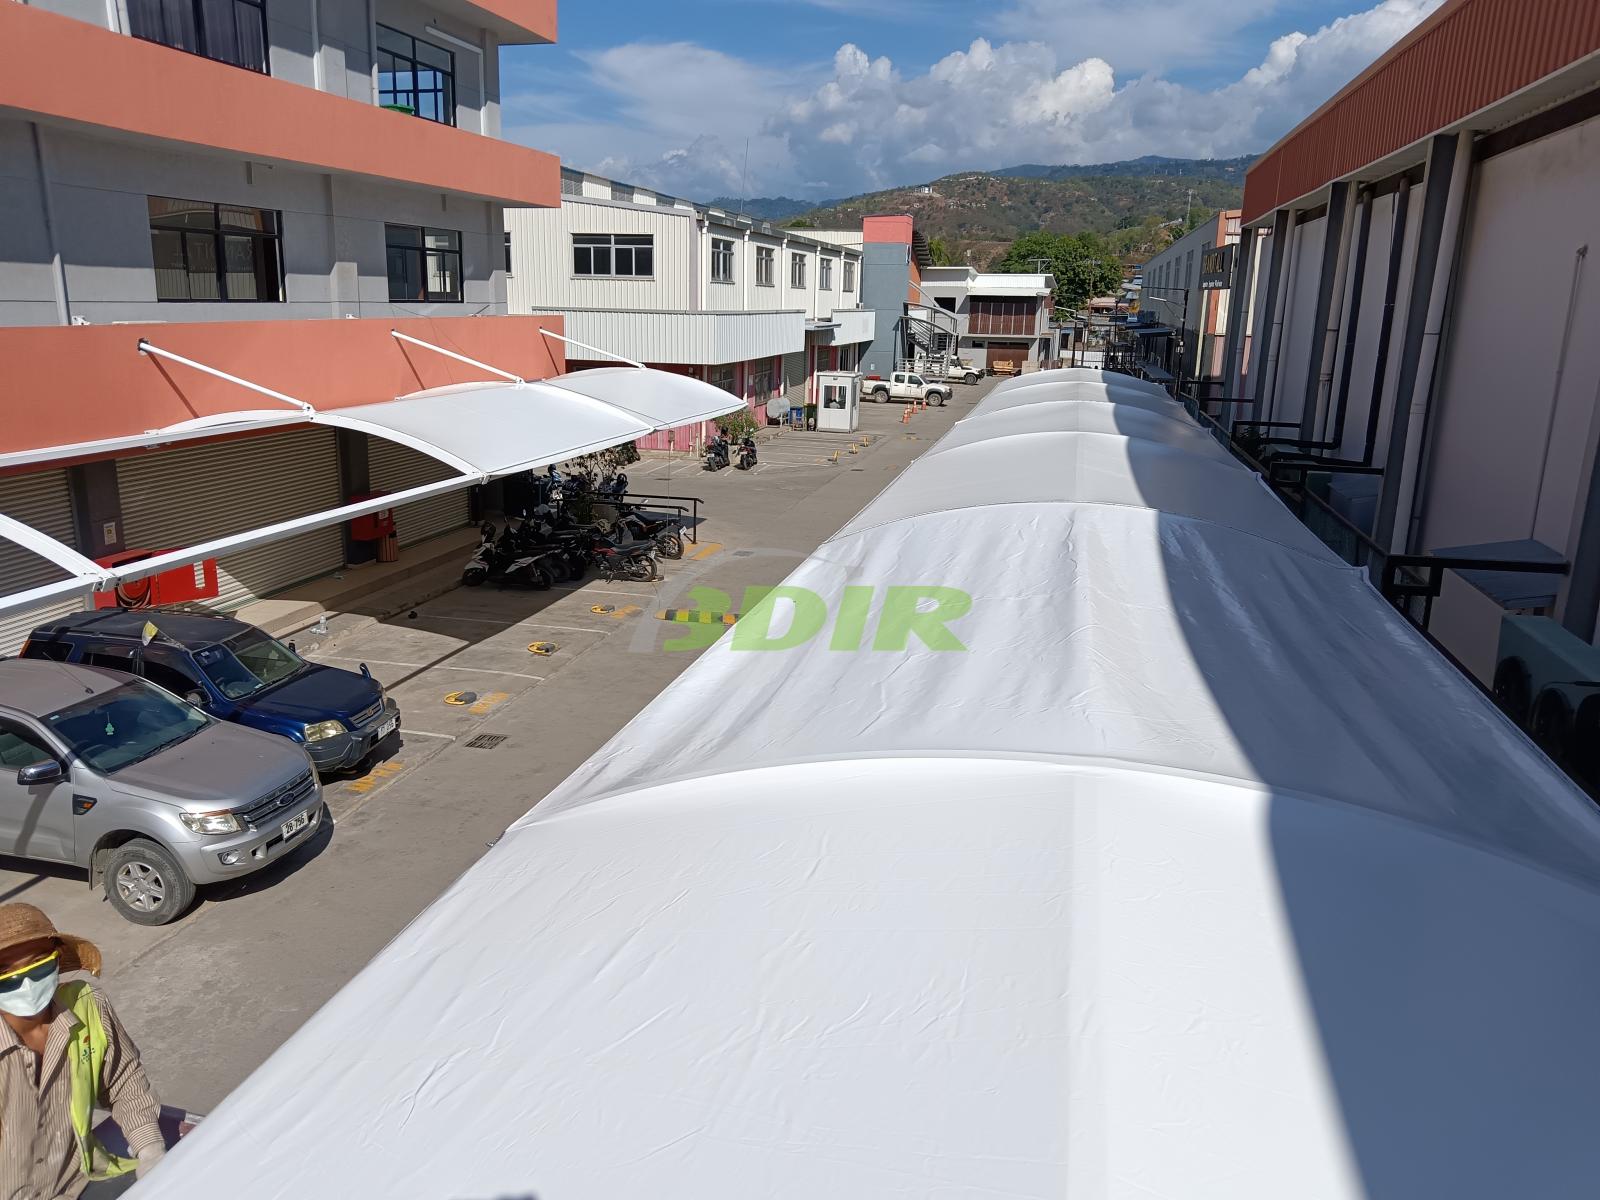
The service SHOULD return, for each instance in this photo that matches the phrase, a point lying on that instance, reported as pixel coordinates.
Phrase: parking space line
(603, 591)
(513, 624)
(487, 671)
(382, 662)
(707, 550)
(443, 737)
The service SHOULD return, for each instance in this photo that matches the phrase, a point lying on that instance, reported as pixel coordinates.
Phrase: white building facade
(1002, 321)
(746, 306)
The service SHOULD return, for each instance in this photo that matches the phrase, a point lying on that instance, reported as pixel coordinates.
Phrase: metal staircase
(929, 339)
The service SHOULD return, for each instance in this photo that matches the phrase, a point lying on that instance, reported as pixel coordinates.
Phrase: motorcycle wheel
(540, 578)
(474, 576)
(641, 570)
(671, 545)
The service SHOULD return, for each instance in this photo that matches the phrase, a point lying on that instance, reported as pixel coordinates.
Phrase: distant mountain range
(1230, 170)
(978, 213)
(769, 208)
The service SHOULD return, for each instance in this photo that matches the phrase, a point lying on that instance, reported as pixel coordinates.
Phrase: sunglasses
(39, 969)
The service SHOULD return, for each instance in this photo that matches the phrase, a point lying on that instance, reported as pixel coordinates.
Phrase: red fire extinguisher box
(176, 585)
(375, 526)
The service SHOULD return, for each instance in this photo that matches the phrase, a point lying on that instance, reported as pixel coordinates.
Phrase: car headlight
(323, 729)
(211, 822)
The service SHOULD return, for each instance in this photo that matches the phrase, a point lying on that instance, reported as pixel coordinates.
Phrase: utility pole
(1188, 205)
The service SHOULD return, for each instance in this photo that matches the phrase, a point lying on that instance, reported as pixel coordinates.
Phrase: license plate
(387, 727)
(292, 827)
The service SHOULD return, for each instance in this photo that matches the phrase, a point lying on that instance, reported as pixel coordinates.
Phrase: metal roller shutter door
(45, 502)
(179, 498)
(392, 467)
(794, 377)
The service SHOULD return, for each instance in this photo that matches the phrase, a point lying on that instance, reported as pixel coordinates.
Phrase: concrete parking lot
(502, 694)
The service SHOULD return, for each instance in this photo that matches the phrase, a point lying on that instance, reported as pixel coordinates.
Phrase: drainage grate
(743, 553)
(486, 741)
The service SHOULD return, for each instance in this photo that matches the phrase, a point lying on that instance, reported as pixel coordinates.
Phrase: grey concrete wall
(333, 237)
(337, 35)
(885, 283)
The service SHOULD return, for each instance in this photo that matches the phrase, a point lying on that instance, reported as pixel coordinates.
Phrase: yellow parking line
(707, 550)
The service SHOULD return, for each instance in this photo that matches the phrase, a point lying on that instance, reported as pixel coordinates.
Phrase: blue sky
(835, 97)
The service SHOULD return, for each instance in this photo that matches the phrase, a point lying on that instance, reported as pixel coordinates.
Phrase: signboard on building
(1216, 269)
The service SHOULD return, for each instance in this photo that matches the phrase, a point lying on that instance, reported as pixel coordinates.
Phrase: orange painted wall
(70, 71)
(887, 229)
(65, 384)
(537, 17)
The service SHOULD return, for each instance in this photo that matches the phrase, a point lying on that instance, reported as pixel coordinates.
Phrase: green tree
(940, 250)
(1081, 263)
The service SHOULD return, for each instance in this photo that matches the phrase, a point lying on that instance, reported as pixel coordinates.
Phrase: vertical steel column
(1282, 231)
(1238, 310)
(1352, 318)
(1441, 211)
(1391, 292)
(1335, 252)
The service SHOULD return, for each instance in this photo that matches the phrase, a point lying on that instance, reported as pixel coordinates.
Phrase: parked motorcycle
(485, 560)
(747, 453)
(666, 530)
(717, 453)
(633, 560)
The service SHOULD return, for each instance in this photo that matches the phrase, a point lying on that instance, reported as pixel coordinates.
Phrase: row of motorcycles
(720, 452)
(547, 545)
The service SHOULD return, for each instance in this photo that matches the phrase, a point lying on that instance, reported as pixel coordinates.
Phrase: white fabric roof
(482, 430)
(1079, 375)
(1197, 873)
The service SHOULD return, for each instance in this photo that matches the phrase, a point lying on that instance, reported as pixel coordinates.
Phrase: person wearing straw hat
(64, 1053)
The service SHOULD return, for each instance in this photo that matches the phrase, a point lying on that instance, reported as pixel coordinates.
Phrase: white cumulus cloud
(860, 123)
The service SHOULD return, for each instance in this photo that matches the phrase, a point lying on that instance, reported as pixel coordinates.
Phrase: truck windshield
(248, 663)
(125, 725)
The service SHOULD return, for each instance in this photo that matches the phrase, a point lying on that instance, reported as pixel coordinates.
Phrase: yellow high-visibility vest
(86, 1054)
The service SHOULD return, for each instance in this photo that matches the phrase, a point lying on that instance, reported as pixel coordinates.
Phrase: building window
(416, 77)
(797, 270)
(721, 261)
(760, 381)
(766, 271)
(825, 274)
(230, 31)
(508, 252)
(208, 251)
(723, 377)
(948, 303)
(614, 254)
(849, 276)
(424, 264)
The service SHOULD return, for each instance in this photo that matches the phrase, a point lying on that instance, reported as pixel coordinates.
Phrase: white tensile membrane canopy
(484, 431)
(1196, 873)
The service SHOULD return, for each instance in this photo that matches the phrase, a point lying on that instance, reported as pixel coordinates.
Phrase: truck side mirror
(195, 697)
(46, 771)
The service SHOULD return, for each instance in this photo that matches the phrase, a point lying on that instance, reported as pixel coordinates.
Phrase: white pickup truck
(955, 371)
(905, 385)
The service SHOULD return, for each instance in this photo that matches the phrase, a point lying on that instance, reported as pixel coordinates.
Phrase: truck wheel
(970, 378)
(146, 885)
(880, 395)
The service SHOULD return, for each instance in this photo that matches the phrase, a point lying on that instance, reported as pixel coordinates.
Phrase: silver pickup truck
(142, 790)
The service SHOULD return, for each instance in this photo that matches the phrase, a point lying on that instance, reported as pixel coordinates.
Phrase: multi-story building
(1417, 286)
(267, 191)
(1186, 286)
(751, 308)
(1002, 321)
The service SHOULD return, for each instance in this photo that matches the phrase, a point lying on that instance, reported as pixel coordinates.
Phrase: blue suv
(235, 672)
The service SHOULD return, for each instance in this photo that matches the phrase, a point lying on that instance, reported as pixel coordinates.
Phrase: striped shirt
(38, 1151)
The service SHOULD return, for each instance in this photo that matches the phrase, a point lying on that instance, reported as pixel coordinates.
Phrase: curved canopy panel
(496, 429)
(664, 399)
(994, 402)
(1084, 850)
(1079, 375)
(1083, 416)
(1088, 468)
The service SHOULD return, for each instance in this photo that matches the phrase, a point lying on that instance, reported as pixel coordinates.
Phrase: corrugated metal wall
(392, 467)
(43, 502)
(541, 249)
(1471, 54)
(177, 498)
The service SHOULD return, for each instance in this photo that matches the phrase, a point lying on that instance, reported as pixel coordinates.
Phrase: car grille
(367, 715)
(279, 800)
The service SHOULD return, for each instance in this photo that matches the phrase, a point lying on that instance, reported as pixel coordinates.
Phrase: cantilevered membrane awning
(484, 431)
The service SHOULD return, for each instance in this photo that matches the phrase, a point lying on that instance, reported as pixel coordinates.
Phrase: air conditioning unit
(1547, 680)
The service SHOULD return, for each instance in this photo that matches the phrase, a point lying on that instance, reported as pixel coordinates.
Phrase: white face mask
(32, 996)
